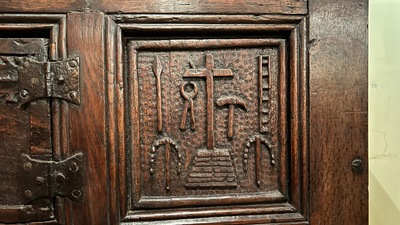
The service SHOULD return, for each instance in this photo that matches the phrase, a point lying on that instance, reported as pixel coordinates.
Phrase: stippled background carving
(245, 84)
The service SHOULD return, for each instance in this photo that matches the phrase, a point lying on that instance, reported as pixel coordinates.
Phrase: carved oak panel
(207, 116)
(196, 166)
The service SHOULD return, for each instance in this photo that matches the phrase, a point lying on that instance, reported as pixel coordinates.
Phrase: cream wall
(384, 112)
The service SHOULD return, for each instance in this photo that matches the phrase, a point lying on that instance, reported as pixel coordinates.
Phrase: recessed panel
(29, 121)
(215, 118)
(24, 129)
(208, 123)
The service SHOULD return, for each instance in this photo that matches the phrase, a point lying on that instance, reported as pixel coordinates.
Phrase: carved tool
(215, 159)
(258, 140)
(231, 101)
(209, 73)
(188, 104)
(168, 142)
(157, 70)
(264, 80)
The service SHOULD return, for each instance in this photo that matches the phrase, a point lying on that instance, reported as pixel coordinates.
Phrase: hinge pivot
(57, 79)
(47, 179)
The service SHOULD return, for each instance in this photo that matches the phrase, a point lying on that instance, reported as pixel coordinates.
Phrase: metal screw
(60, 178)
(35, 81)
(40, 180)
(73, 63)
(27, 166)
(61, 79)
(28, 193)
(74, 167)
(73, 95)
(76, 193)
(357, 166)
(24, 93)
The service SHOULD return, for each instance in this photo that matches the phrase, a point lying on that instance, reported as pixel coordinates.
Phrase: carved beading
(168, 143)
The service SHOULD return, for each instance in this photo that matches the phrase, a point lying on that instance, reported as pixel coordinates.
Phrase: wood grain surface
(338, 111)
(161, 6)
(42, 6)
(280, 113)
(87, 129)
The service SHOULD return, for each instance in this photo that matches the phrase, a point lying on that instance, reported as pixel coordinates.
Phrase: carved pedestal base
(212, 169)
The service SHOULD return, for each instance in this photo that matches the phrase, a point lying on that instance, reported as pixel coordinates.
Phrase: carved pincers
(189, 104)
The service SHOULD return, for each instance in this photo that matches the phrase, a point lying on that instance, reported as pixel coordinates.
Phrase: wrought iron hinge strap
(58, 79)
(47, 179)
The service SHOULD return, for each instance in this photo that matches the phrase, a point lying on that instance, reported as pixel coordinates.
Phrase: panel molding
(290, 37)
(192, 44)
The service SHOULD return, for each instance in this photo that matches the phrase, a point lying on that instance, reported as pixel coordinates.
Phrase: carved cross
(209, 73)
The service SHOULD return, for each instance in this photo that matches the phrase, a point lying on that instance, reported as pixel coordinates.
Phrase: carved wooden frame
(292, 43)
(55, 25)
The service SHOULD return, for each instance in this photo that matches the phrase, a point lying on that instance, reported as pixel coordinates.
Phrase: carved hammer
(231, 101)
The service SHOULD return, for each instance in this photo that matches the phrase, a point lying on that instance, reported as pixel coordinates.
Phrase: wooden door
(183, 112)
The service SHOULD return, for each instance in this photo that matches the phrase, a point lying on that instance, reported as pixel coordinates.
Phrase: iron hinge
(58, 79)
(47, 179)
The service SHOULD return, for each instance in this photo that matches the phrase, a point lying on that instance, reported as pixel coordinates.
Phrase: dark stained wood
(338, 111)
(116, 145)
(86, 121)
(201, 7)
(14, 142)
(23, 129)
(193, 112)
(43, 6)
(164, 6)
(294, 219)
(158, 169)
(40, 128)
(21, 46)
